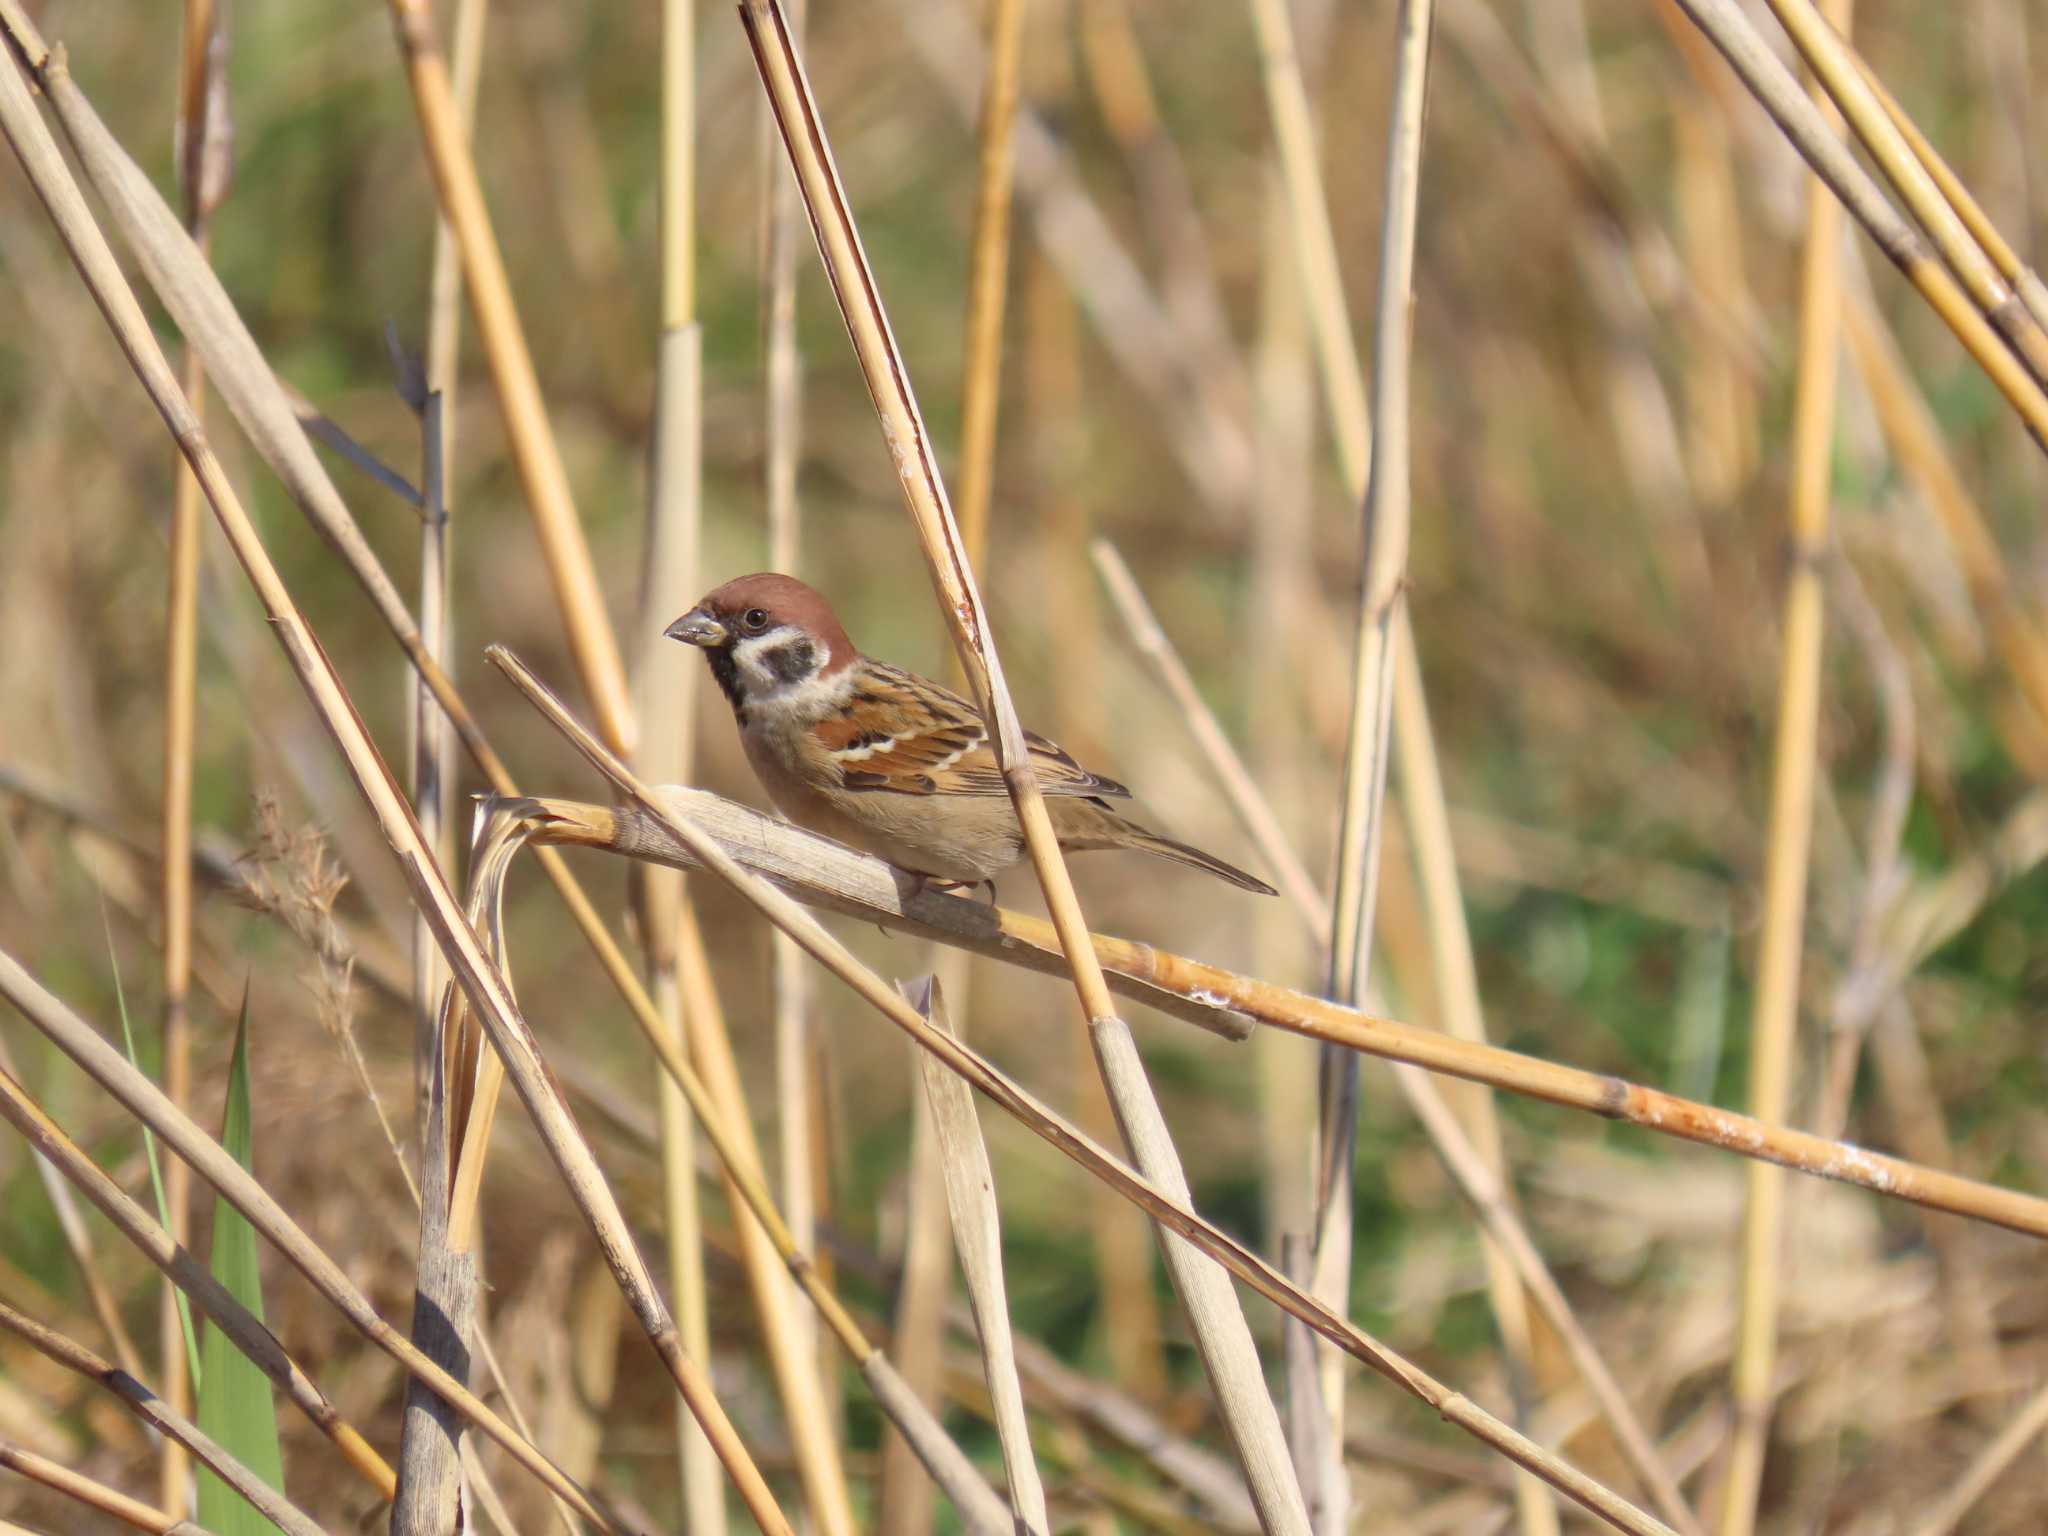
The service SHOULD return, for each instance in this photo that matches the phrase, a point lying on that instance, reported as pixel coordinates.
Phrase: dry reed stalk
(782, 357)
(1771, 83)
(1575, 132)
(446, 1284)
(1916, 442)
(111, 1502)
(664, 699)
(796, 1367)
(1359, 453)
(480, 980)
(988, 271)
(824, 874)
(1382, 631)
(699, 1007)
(665, 808)
(444, 283)
(1985, 1468)
(1876, 121)
(977, 1239)
(211, 1162)
(1283, 584)
(1058, 443)
(1222, 1338)
(799, 1063)
(1110, 1411)
(163, 1418)
(1315, 248)
(1238, 787)
(1474, 1158)
(203, 160)
(1646, 430)
(431, 1499)
(78, 1239)
(503, 831)
(904, 1500)
(1193, 411)
(1851, 1009)
(535, 454)
(917, 1324)
(2026, 283)
(195, 298)
(432, 756)
(1177, 241)
(433, 747)
(1721, 411)
(181, 663)
(59, 1152)
(1795, 762)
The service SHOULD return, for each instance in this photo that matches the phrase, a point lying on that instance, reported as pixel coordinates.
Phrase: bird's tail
(1128, 834)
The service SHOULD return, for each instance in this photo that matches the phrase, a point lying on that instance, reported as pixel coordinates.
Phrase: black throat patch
(727, 673)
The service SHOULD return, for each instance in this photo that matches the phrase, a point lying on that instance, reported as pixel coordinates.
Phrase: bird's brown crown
(784, 600)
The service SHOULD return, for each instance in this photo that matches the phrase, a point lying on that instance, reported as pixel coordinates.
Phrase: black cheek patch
(791, 663)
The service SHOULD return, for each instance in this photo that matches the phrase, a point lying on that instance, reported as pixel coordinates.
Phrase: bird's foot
(956, 887)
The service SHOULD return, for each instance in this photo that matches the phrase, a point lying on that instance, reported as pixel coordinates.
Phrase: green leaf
(156, 1173)
(235, 1405)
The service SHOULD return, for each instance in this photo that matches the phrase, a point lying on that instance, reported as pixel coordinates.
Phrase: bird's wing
(904, 734)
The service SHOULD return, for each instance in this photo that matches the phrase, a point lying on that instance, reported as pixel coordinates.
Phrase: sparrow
(884, 760)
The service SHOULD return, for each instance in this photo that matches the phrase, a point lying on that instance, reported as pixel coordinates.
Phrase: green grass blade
(235, 1405)
(156, 1173)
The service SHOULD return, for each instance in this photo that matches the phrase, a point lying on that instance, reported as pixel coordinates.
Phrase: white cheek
(749, 655)
(771, 697)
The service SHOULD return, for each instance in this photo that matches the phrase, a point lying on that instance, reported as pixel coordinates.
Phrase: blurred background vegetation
(1604, 341)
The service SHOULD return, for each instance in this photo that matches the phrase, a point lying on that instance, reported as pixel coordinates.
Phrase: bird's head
(768, 638)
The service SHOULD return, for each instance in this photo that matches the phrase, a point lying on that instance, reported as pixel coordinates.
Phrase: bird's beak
(697, 628)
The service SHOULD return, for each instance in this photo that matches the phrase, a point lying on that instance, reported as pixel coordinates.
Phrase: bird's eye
(754, 620)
